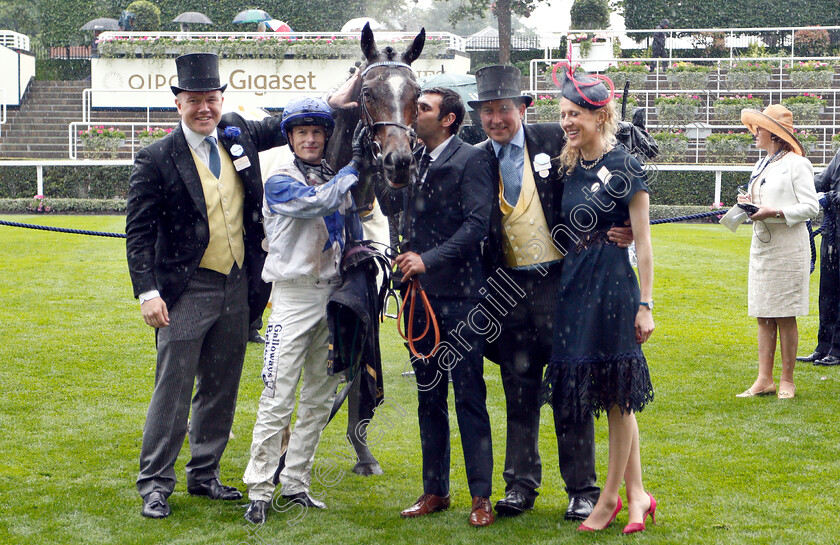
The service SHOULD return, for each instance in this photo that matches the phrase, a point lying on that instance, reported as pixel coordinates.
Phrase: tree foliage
(640, 14)
(147, 14)
(504, 10)
(590, 14)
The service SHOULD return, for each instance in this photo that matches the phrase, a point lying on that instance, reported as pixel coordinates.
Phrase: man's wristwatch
(779, 213)
(648, 304)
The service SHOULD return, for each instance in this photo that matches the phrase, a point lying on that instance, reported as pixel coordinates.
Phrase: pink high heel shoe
(585, 528)
(640, 526)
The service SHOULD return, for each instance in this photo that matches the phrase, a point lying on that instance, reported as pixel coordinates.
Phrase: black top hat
(498, 82)
(198, 72)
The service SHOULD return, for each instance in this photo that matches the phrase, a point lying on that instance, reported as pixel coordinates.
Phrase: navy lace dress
(596, 362)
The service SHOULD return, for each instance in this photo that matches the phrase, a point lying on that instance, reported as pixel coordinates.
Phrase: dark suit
(828, 336)
(446, 220)
(524, 346)
(167, 233)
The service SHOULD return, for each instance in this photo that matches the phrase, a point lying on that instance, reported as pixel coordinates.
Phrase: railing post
(718, 178)
(40, 173)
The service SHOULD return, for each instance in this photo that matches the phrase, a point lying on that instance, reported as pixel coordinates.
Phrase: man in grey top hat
(525, 261)
(193, 240)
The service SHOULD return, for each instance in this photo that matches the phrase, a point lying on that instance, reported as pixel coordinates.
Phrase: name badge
(242, 163)
(237, 150)
(542, 164)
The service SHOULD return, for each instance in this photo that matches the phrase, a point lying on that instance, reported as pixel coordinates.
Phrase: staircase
(38, 129)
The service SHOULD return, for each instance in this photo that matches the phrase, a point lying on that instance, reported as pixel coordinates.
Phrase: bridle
(370, 125)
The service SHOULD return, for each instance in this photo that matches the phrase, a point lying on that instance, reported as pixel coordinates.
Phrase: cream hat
(775, 118)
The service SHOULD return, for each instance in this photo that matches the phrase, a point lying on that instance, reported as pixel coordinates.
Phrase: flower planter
(102, 147)
(671, 150)
(597, 59)
(805, 114)
(688, 80)
(808, 144)
(675, 114)
(757, 79)
(548, 112)
(144, 141)
(732, 112)
(726, 151)
(619, 78)
(817, 79)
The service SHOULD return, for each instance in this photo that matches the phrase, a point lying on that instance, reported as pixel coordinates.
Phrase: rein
(414, 288)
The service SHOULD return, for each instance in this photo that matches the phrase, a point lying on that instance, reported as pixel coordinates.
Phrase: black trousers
(461, 353)
(203, 344)
(828, 336)
(524, 350)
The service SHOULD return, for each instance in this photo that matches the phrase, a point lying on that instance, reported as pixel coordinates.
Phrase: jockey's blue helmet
(307, 111)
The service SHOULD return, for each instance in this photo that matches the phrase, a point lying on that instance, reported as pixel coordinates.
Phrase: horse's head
(388, 101)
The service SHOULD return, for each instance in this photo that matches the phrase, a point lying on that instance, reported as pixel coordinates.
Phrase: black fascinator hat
(591, 91)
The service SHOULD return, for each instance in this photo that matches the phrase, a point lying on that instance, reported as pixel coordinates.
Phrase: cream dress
(780, 252)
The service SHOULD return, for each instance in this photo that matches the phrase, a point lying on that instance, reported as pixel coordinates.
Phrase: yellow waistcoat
(225, 198)
(527, 236)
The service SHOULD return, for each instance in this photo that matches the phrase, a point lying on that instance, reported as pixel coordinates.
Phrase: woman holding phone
(781, 192)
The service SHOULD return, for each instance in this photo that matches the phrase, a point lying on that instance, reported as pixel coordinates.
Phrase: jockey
(308, 214)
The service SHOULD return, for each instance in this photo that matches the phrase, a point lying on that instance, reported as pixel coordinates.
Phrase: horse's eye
(367, 95)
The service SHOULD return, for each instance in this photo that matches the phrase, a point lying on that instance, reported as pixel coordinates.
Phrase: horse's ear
(416, 47)
(368, 43)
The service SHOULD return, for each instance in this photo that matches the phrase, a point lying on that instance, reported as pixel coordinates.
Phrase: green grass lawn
(77, 367)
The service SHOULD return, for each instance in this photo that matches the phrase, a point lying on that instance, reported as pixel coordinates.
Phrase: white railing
(695, 38)
(40, 164)
(454, 42)
(716, 76)
(131, 130)
(2, 109)
(14, 40)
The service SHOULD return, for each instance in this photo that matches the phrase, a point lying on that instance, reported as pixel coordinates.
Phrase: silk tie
(215, 162)
(511, 179)
(425, 161)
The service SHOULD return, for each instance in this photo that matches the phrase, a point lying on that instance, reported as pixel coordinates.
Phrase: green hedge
(62, 69)
(678, 188)
(64, 206)
(65, 182)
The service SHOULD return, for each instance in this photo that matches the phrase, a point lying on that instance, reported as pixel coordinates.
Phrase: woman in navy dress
(602, 315)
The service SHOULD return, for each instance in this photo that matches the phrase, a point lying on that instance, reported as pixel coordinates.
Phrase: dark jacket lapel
(183, 160)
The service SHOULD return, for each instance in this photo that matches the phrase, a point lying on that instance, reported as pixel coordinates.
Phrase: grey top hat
(498, 82)
(198, 72)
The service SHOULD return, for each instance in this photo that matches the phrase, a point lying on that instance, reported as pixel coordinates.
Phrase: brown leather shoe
(426, 505)
(482, 512)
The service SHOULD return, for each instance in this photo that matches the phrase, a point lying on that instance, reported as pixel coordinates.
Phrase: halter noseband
(367, 119)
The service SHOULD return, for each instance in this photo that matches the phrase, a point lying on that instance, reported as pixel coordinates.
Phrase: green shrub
(64, 206)
(148, 15)
(66, 182)
(590, 14)
(687, 188)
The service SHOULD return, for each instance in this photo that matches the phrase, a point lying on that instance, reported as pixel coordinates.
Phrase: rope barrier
(62, 229)
(122, 235)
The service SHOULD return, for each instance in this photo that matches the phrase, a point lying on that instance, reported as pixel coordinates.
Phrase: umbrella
(103, 23)
(463, 84)
(192, 17)
(251, 16)
(356, 25)
(278, 26)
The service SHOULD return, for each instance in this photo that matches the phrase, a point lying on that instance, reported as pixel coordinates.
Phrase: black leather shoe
(813, 356)
(255, 514)
(579, 508)
(515, 503)
(155, 505)
(828, 360)
(304, 499)
(255, 337)
(214, 490)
